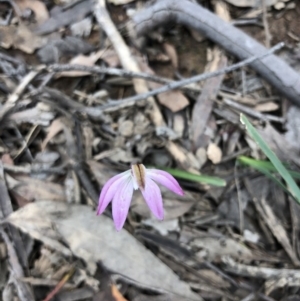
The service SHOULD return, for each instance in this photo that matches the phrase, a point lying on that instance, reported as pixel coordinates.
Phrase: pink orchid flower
(120, 188)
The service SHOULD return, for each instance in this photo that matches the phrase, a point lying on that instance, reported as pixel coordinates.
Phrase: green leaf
(291, 184)
(262, 167)
(266, 165)
(215, 181)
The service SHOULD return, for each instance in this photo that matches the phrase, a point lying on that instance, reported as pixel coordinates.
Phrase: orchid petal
(121, 203)
(109, 190)
(153, 198)
(165, 179)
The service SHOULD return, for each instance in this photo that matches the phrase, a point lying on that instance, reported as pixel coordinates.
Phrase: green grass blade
(291, 184)
(261, 168)
(215, 181)
(265, 165)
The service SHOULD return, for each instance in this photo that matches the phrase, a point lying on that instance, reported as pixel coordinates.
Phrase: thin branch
(251, 112)
(258, 272)
(108, 71)
(14, 97)
(130, 101)
(266, 24)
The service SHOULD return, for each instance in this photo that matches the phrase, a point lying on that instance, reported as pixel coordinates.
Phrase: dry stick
(23, 289)
(29, 170)
(240, 203)
(273, 69)
(125, 56)
(6, 208)
(266, 24)
(258, 272)
(251, 112)
(130, 101)
(109, 71)
(11, 59)
(13, 98)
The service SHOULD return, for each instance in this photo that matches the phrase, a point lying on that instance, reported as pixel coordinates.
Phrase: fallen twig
(272, 68)
(125, 56)
(13, 98)
(6, 209)
(108, 71)
(258, 272)
(130, 101)
(23, 289)
(30, 170)
(251, 112)
(60, 284)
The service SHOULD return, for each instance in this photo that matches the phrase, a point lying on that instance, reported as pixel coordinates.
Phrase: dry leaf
(20, 37)
(179, 123)
(101, 172)
(292, 134)
(186, 159)
(43, 161)
(7, 159)
(267, 107)
(109, 56)
(214, 153)
(83, 60)
(55, 127)
(126, 128)
(215, 279)
(38, 7)
(172, 54)
(213, 248)
(163, 227)
(37, 116)
(279, 6)
(173, 208)
(156, 56)
(117, 155)
(173, 100)
(82, 28)
(94, 238)
(284, 148)
(201, 156)
(36, 190)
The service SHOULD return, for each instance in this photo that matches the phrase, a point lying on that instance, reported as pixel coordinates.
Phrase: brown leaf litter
(66, 131)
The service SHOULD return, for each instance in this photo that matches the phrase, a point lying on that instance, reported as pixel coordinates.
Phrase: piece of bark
(211, 87)
(271, 68)
(203, 107)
